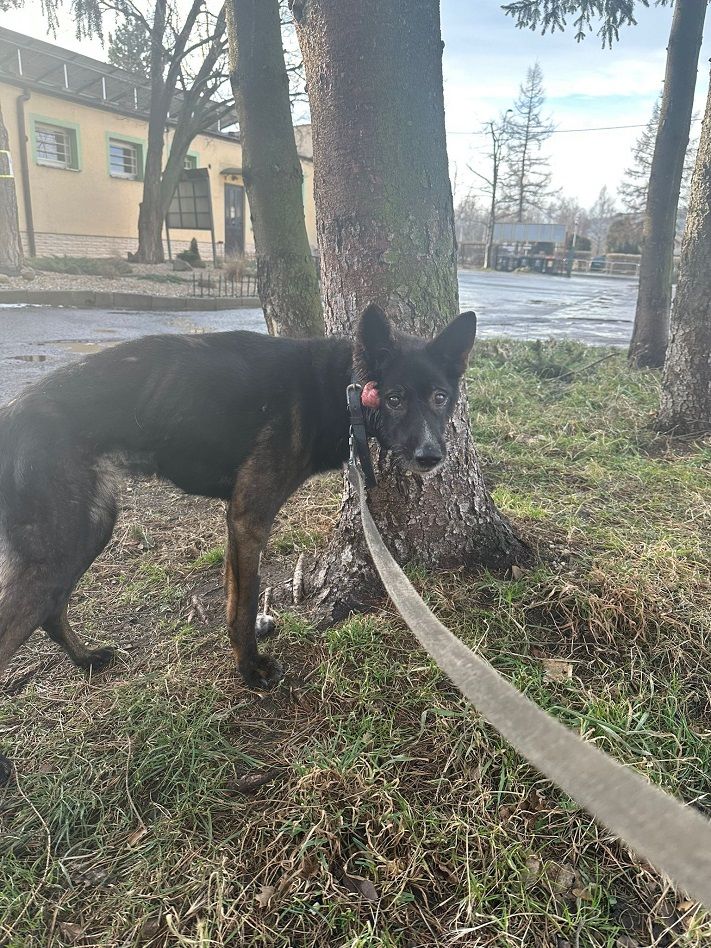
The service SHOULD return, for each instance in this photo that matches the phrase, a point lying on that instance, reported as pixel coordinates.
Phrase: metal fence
(221, 285)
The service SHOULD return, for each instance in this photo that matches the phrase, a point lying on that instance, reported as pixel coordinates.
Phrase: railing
(213, 286)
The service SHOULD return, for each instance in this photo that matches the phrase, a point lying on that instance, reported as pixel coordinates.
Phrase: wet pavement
(597, 310)
(34, 340)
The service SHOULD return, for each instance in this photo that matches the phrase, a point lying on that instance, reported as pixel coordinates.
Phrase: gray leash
(671, 836)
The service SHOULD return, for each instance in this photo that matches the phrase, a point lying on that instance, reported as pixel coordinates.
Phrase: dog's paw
(99, 658)
(263, 673)
(5, 770)
(265, 625)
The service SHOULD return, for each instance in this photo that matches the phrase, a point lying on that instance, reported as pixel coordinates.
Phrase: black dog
(235, 415)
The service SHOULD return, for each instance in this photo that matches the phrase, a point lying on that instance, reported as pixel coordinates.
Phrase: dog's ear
(375, 340)
(452, 346)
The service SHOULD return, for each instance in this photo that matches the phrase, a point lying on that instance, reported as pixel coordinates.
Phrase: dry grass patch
(362, 803)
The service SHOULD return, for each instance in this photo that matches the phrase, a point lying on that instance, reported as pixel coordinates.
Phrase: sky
(485, 60)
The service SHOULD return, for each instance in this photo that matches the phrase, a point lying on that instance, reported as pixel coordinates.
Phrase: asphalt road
(35, 340)
(599, 311)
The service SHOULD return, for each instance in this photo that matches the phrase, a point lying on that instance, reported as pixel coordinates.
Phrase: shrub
(192, 255)
(88, 266)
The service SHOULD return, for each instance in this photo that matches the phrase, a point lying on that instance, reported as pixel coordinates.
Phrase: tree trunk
(150, 213)
(386, 232)
(686, 387)
(649, 338)
(287, 280)
(11, 255)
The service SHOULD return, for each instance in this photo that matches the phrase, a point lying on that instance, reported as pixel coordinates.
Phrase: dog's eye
(440, 398)
(393, 400)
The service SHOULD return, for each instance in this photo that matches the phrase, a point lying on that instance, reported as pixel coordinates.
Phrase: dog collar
(358, 441)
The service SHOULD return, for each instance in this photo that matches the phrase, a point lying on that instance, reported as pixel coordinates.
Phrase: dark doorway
(234, 220)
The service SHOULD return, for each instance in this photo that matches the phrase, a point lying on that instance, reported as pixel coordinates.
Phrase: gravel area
(151, 279)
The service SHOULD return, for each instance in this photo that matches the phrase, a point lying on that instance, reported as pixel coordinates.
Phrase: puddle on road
(85, 348)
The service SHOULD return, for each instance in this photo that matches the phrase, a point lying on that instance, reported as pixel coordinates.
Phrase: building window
(125, 160)
(56, 146)
(190, 162)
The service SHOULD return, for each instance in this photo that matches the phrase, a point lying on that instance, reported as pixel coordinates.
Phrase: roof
(529, 233)
(45, 67)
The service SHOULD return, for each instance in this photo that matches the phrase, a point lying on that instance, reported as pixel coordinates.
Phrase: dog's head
(410, 385)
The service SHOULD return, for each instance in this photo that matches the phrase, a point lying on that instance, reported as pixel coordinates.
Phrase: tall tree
(287, 279)
(186, 68)
(526, 181)
(686, 386)
(130, 48)
(169, 72)
(651, 324)
(649, 337)
(634, 186)
(385, 224)
(599, 219)
(11, 255)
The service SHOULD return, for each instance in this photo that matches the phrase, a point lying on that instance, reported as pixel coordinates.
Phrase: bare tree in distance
(470, 220)
(498, 131)
(273, 178)
(11, 254)
(649, 338)
(526, 178)
(600, 217)
(386, 231)
(568, 211)
(685, 405)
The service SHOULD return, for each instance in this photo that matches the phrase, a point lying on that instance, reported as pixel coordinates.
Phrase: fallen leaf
(364, 886)
(71, 932)
(137, 835)
(309, 866)
(562, 876)
(148, 930)
(249, 783)
(555, 669)
(533, 871)
(264, 895)
(517, 572)
(585, 895)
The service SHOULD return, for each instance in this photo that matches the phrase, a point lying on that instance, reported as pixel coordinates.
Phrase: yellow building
(78, 132)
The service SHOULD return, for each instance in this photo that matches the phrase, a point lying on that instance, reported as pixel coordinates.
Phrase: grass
(362, 803)
(89, 266)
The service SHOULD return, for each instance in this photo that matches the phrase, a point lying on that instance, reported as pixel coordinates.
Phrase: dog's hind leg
(247, 532)
(94, 536)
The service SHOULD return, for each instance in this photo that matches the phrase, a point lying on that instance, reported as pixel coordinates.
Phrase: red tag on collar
(369, 397)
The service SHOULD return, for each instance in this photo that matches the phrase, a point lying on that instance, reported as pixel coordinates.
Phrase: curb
(87, 299)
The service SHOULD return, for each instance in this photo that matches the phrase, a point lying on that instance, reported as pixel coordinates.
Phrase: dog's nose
(428, 456)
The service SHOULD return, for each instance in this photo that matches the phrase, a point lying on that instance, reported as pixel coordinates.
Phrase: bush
(89, 266)
(237, 268)
(192, 255)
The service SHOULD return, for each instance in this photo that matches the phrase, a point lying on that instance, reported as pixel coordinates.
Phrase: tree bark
(11, 255)
(685, 405)
(286, 275)
(386, 231)
(651, 325)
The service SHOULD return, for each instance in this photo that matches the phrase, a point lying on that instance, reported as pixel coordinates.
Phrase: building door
(234, 220)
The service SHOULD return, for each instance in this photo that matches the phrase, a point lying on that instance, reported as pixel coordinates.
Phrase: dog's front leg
(247, 532)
